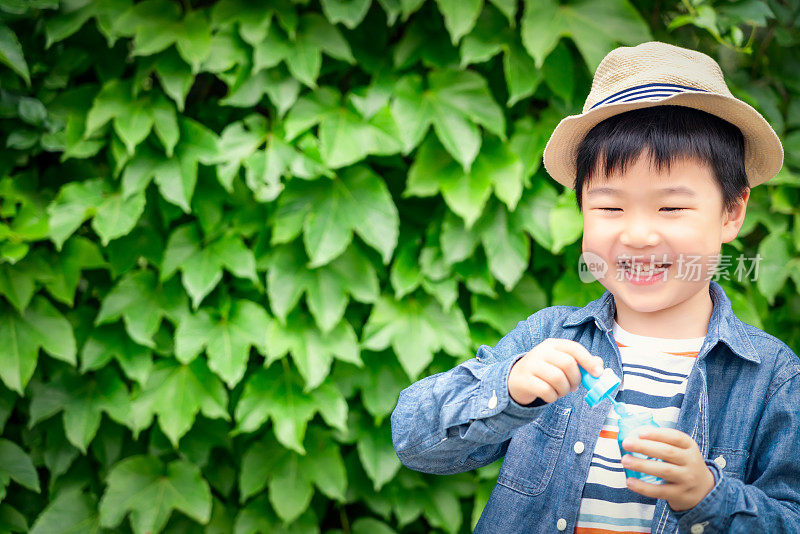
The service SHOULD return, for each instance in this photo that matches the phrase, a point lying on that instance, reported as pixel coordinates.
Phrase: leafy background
(233, 231)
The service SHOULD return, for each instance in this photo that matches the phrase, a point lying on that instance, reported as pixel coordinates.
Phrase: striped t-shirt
(654, 379)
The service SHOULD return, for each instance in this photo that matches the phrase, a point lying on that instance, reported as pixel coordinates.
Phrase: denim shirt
(741, 406)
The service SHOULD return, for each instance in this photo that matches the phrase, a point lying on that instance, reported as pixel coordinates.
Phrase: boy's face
(639, 221)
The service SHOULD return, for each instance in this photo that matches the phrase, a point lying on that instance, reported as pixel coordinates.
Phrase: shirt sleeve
(771, 503)
(463, 418)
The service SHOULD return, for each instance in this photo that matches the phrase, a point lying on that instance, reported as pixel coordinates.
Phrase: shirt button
(561, 524)
(720, 461)
(493, 400)
(697, 528)
(578, 447)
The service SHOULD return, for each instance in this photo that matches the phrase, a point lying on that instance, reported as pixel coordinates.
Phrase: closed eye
(619, 209)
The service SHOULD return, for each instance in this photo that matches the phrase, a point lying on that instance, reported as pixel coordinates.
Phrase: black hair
(669, 132)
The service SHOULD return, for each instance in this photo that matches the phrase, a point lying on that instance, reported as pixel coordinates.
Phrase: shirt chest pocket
(533, 452)
(732, 462)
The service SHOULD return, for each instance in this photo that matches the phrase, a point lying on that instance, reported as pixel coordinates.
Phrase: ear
(733, 219)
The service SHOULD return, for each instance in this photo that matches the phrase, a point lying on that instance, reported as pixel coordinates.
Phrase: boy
(662, 160)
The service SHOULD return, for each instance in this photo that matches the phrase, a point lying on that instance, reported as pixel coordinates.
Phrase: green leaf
(456, 102)
(459, 16)
(290, 477)
(291, 490)
(114, 215)
(381, 386)
(504, 312)
(67, 23)
(134, 124)
(508, 8)
(313, 28)
(570, 290)
(7, 401)
(774, 265)
(329, 211)
(193, 39)
(238, 141)
(165, 123)
(415, 329)
(176, 77)
(596, 26)
(75, 202)
(327, 288)
(405, 274)
(140, 302)
(496, 168)
(277, 394)
(40, 326)
(558, 72)
(349, 12)
(258, 516)
(201, 268)
(64, 269)
(345, 137)
(83, 399)
(117, 215)
(508, 249)
(11, 53)
(32, 111)
(377, 454)
(313, 351)
(17, 284)
(176, 393)
(486, 40)
(71, 512)
(11, 520)
(468, 92)
(370, 525)
(314, 36)
(226, 338)
(149, 491)
(111, 341)
(566, 222)
(16, 465)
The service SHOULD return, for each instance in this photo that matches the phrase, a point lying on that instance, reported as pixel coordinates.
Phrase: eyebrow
(679, 190)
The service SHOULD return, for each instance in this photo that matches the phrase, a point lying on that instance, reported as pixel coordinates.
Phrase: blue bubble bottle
(630, 424)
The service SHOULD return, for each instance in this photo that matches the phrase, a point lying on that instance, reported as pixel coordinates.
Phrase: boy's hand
(550, 370)
(687, 478)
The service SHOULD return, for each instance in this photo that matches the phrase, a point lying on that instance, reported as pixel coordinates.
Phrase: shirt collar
(724, 326)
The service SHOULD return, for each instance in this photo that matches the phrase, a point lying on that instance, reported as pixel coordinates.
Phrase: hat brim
(763, 150)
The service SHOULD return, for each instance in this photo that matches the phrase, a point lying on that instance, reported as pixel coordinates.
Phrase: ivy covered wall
(232, 231)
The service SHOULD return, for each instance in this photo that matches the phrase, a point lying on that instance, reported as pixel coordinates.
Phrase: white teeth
(645, 268)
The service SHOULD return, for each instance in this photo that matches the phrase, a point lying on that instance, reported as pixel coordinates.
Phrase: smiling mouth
(644, 269)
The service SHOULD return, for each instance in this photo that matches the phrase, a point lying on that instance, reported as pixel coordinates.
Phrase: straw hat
(656, 73)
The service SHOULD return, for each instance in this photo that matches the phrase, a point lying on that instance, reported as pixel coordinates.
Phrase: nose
(639, 233)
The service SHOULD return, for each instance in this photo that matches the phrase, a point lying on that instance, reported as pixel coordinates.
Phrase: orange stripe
(691, 354)
(620, 344)
(608, 434)
(590, 530)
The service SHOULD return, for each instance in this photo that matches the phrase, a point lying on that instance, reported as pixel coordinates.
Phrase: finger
(593, 364)
(567, 364)
(671, 436)
(655, 449)
(543, 390)
(664, 470)
(657, 491)
(554, 377)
